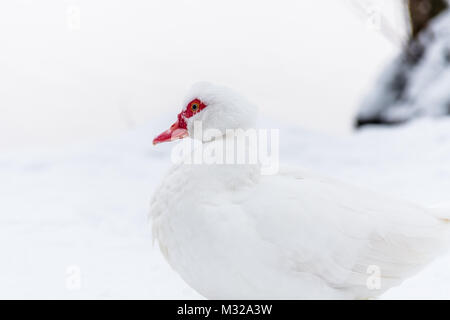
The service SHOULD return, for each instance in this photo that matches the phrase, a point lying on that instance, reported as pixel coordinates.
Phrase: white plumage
(232, 233)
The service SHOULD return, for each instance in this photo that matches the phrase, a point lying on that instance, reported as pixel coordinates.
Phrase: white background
(84, 69)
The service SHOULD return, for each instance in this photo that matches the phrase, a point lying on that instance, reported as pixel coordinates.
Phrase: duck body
(234, 234)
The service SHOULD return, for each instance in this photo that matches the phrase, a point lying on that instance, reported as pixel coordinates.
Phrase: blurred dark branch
(421, 12)
(373, 17)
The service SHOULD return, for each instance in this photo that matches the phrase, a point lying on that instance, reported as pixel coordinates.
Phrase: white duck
(232, 233)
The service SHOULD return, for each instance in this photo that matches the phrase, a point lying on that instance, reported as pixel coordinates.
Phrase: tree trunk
(422, 11)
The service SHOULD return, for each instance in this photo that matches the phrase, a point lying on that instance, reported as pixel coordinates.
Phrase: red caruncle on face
(179, 129)
(192, 109)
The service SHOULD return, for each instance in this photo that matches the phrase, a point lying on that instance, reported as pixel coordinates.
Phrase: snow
(416, 83)
(85, 206)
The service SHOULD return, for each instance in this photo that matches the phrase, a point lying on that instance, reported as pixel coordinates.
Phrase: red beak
(174, 133)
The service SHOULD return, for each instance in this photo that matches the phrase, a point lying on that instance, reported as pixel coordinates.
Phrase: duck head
(216, 107)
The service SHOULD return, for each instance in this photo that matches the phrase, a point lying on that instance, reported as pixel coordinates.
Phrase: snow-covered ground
(80, 213)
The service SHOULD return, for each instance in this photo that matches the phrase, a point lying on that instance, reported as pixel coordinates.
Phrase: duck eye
(194, 107)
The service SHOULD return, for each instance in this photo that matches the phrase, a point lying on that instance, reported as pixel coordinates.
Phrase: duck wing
(352, 239)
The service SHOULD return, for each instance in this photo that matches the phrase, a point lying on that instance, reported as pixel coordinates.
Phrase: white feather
(232, 233)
